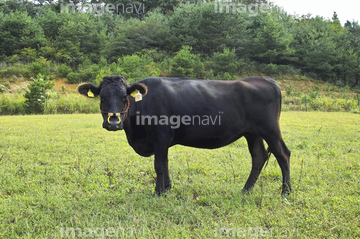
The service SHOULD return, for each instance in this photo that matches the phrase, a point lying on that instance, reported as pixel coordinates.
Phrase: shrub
(314, 94)
(315, 104)
(210, 75)
(289, 89)
(28, 54)
(14, 58)
(225, 62)
(328, 104)
(72, 78)
(16, 69)
(71, 103)
(134, 67)
(88, 73)
(63, 71)
(315, 88)
(296, 93)
(100, 76)
(273, 69)
(187, 64)
(3, 88)
(345, 104)
(306, 99)
(40, 66)
(227, 76)
(36, 96)
(291, 100)
(12, 104)
(85, 74)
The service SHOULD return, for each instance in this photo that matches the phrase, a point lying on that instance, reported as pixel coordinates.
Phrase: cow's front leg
(161, 168)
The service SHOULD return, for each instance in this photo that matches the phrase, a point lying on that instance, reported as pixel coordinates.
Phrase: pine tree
(36, 96)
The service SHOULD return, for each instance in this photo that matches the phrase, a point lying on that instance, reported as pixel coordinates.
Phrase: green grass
(64, 172)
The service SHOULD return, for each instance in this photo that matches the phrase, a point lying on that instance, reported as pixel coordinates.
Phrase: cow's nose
(113, 122)
(114, 118)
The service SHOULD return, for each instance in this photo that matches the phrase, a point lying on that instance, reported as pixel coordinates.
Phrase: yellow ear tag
(90, 94)
(137, 95)
(133, 94)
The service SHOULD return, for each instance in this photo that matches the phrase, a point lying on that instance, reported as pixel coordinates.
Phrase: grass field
(65, 176)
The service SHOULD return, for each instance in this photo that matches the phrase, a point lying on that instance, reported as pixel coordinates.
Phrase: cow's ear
(137, 86)
(89, 90)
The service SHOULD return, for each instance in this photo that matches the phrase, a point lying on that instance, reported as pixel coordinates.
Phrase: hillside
(299, 94)
(175, 40)
(300, 83)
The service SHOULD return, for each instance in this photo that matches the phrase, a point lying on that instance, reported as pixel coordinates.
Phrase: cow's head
(114, 92)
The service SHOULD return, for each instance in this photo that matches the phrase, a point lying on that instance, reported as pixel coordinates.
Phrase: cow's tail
(268, 152)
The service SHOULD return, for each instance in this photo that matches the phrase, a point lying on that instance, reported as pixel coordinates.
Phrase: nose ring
(112, 114)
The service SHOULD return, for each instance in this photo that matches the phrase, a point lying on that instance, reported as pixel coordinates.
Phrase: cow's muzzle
(113, 122)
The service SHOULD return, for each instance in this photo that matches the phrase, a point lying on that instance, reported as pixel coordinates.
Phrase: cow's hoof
(162, 192)
(246, 191)
(286, 192)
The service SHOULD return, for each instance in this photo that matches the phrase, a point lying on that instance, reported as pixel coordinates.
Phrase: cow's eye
(124, 99)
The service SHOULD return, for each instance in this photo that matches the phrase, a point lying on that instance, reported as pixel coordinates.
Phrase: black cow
(197, 113)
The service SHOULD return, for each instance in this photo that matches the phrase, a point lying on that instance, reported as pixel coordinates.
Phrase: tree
(18, 31)
(50, 21)
(352, 53)
(316, 50)
(36, 97)
(225, 62)
(187, 64)
(336, 25)
(131, 36)
(79, 38)
(199, 26)
(24, 6)
(271, 40)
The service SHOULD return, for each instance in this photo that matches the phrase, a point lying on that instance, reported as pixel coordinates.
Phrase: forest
(84, 41)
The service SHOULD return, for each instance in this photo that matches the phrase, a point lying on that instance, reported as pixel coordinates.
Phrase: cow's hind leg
(258, 155)
(282, 154)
